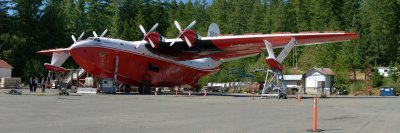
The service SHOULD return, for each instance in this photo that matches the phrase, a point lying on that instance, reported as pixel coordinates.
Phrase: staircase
(81, 74)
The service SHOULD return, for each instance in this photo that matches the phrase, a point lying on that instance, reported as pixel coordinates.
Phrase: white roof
(292, 77)
(382, 67)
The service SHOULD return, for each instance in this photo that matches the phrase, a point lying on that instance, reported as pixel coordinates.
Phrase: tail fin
(59, 56)
(213, 30)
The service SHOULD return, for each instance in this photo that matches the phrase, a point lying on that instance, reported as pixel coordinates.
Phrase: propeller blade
(286, 50)
(178, 26)
(268, 45)
(142, 29)
(104, 33)
(191, 25)
(187, 41)
(151, 43)
(80, 37)
(94, 34)
(153, 28)
(73, 38)
(174, 41)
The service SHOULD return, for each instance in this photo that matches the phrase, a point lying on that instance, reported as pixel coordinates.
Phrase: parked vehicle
(387, 91)
(341, 91)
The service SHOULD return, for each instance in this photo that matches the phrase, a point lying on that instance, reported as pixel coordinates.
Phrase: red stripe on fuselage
(133, 67)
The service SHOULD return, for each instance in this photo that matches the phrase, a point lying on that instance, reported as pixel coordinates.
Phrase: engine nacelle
(274, 64)
(191, 35)
(154, 37)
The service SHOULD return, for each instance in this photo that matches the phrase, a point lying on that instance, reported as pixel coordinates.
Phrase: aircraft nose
(81, 43)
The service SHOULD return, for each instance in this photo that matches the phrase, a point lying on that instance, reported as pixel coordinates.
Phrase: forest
(27, 26)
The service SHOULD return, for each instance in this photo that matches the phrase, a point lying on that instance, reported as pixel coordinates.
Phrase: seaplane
(156, 61)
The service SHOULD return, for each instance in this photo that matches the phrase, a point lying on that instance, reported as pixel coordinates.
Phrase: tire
(147, 89)
(141, 89)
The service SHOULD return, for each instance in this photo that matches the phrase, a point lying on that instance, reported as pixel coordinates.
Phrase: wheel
(141, 89)
(127, 88)
(282, 95)
(147, 89)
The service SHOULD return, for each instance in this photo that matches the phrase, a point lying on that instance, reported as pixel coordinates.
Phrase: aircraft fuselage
(134, 63)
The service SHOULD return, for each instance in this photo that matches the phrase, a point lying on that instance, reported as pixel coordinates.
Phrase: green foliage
(33, 68)
(393, 72)
(377, 79)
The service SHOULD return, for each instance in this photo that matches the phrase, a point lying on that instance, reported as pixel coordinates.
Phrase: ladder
(274, 86)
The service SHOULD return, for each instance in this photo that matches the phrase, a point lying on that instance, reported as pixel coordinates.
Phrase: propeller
(80, 37)
(286, 50)
(94, 34)
(183, 32)
(147, 33)
(102, 34)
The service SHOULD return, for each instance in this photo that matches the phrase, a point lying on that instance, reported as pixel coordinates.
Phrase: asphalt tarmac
(194, 114)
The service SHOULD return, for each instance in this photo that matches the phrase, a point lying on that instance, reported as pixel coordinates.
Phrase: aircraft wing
(49, 52)
(279, 40)
(225, 48)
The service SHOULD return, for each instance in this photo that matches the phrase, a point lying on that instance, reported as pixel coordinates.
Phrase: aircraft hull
(134, 68)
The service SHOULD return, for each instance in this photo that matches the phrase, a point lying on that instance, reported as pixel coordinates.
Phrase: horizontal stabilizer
(59, 56)
(54, 68)
(50, 52)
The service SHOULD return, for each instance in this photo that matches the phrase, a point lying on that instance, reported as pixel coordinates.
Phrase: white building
(318, 78)
(293, 83)
(384, 71)
(5, 69)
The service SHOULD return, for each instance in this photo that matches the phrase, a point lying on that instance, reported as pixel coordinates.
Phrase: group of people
(33, 83)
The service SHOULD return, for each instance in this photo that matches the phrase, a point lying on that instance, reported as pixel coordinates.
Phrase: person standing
(34, 81)
(30, 83)
(43, 83)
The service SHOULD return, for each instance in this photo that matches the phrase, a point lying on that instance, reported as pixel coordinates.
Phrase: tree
(277, 12)
(380, 31)
(255, 20)
(377, 79)
(299, 15)
(393, 74)
(99, 15)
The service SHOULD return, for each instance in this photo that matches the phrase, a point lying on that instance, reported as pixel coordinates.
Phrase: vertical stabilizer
(59, 58)
(213, 30)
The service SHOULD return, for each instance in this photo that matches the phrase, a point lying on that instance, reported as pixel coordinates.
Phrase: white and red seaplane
(159, 62)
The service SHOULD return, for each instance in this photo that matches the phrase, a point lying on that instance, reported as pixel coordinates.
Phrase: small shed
(318, 80)
(293, 83)
(5, 69)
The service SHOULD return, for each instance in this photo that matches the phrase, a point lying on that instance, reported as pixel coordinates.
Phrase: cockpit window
(94, 38)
